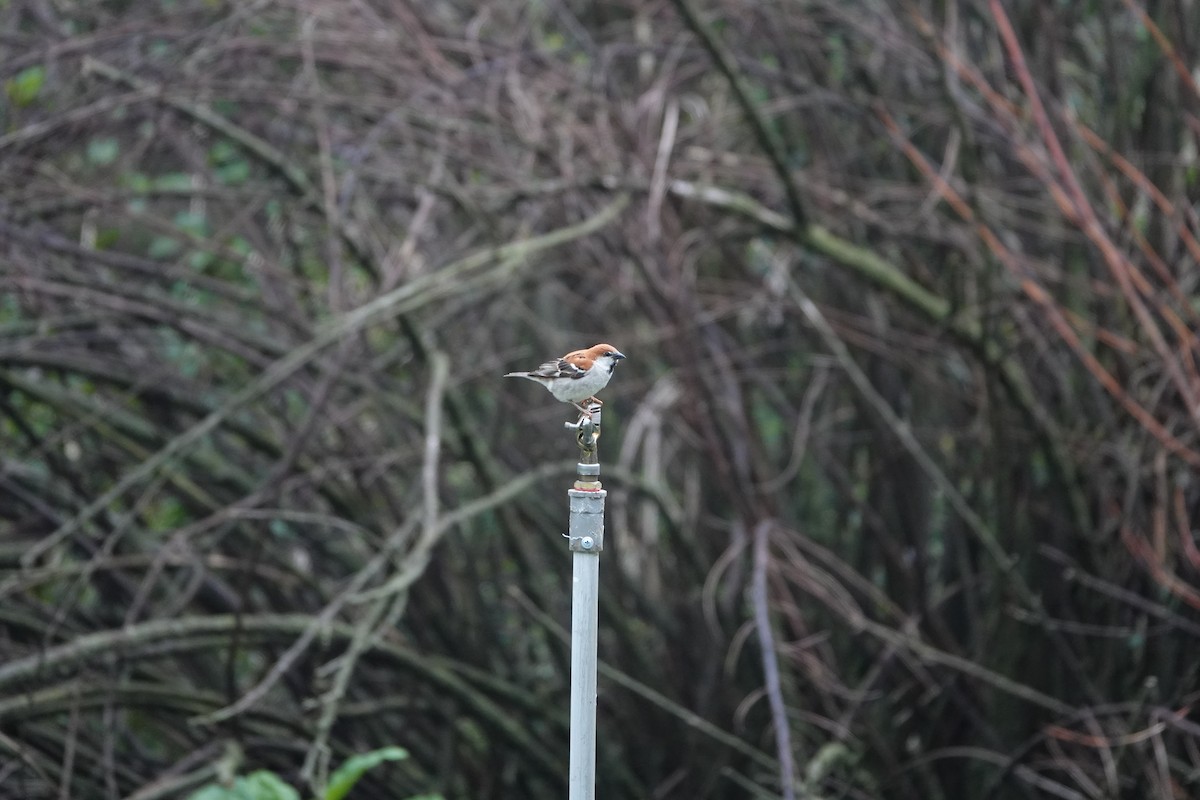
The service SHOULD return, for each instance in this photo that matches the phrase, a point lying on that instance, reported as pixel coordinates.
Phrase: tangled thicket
(902, 465)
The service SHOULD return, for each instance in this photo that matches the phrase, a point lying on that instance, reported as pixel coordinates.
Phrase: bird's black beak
(617, 354)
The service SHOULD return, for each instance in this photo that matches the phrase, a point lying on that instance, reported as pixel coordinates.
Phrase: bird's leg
(583, 410)
(593, 400)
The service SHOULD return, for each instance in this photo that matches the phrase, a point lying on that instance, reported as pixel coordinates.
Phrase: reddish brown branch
(1120, 267)
(1042, 298)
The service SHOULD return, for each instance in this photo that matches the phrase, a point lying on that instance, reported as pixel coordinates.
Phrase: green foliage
(192, 222)
(103, 150)
(174, 182)
(163, 247)
(187, 356)
(165, 515)
(234, 173)
(260, 785)
(266, 785)
(230, 166)
(25, 87)
(344, 778)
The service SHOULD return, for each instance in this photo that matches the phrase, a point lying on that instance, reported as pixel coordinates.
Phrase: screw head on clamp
(587, 543)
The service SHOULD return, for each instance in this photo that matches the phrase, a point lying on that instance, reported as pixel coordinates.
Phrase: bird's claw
(589, 419)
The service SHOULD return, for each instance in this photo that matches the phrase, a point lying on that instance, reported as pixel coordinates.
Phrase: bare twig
(770, 662)
(463, 275)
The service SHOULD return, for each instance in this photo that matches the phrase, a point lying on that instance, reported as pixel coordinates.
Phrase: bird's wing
(564, 367)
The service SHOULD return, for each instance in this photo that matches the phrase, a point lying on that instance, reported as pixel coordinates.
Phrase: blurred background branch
(903, 497)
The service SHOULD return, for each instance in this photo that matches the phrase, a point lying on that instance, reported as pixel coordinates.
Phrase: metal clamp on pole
(585, 539)
(586, 534)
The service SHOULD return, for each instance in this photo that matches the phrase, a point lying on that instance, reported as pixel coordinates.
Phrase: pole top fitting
(587, 433)
(589, 477)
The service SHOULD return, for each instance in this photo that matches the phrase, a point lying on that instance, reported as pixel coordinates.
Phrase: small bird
(578, 375)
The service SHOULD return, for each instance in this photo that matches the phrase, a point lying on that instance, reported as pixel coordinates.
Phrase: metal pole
(586, 540)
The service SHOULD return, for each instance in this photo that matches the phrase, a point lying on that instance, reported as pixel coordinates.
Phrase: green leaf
(233, 173)
(163, 247)
(348, 773)
(201, 260)
(222, 152)
(135, 181)
(266, 785)
(25, 86)
(192, 222)
(173, 182)
(103, 151)
(261, 785)
(107, 237)
(187, 356)
(166, 515)
(240, 245)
